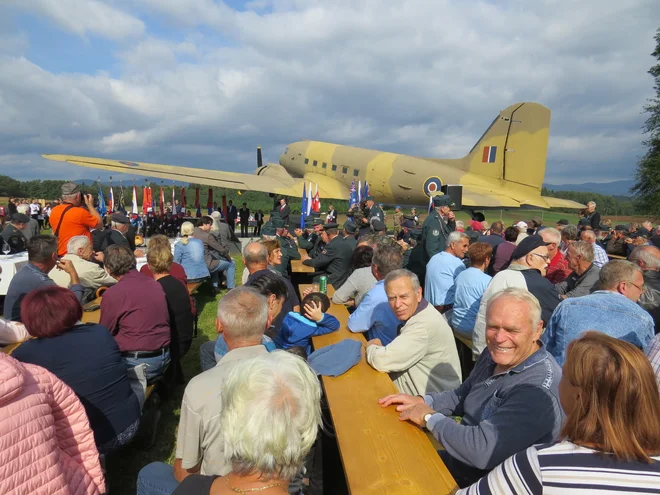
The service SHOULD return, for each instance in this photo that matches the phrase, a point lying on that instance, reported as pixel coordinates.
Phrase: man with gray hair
(91, 275)
(580, 258)
(442, 270)
(600, 256)
(611, 310)
(568, 235)
(648, 259)
(242, 318)
(592, 215)
(557, 270)
(509, 402)
(374, 315)
(423, 356)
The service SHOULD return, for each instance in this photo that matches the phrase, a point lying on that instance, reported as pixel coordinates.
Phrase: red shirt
(135, 311)
(176, 271)
(557, 271)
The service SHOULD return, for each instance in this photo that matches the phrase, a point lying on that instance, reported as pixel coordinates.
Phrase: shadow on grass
(123, 467)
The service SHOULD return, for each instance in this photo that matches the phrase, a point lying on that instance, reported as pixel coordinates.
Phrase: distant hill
(616, 188)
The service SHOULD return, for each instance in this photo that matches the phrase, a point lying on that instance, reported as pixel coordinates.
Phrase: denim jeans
(156, 478)
(207, 355)
(229, 267)
(155, 365)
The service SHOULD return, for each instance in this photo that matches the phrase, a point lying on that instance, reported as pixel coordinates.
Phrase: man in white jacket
(423, 356)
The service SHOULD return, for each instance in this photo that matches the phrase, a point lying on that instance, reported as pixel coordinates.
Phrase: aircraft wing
(270, 179)
(474, 196)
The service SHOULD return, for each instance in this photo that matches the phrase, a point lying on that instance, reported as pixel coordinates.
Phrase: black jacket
(650, 299)
(334, 261)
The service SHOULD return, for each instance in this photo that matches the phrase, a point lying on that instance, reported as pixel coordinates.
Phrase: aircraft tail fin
(514, 147)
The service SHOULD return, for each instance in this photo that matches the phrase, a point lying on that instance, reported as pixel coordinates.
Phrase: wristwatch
(426, 419)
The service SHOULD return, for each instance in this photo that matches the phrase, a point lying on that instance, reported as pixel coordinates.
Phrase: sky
(202, 83)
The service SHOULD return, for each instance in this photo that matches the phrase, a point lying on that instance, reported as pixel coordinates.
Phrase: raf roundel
(432, 185)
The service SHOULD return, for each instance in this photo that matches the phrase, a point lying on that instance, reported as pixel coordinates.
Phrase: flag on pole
(183, 200)
(121, 205)
(198, 213)
(430, 204)
(112, 200)
(308, 209)
(359, 191)
(365, 195)
(162, 201)
(145, 200)
(135, 206)
(174, 200)
(151, 201)
(317, 201)
(304, 207)
(209, 202)
(353, 195)
(102, 208)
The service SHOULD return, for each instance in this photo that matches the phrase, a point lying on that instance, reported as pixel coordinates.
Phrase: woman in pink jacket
(47, 445)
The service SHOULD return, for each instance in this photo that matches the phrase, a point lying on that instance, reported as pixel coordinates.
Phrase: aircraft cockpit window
(306, 161)
(315, 163)
(344, 170)
(325, 165)
(356, 172)
(334, 167)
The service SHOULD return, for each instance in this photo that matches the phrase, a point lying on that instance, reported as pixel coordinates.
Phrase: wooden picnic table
(298, 267)
(380, 454)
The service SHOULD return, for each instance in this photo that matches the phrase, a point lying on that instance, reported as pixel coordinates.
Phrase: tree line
(607, 205)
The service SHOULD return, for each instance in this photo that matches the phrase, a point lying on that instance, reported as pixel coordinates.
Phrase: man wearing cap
(335, 259)
(12, 233)
(526, 271)
(117, 233)
(313, 244)
(407, 225)
(375, 212)
(398, 220)
(75, 216)
(287, 246)
(32, 228)
(349, 234)
(617, 243)
(438, 225)
(379, 227)
(522, 231)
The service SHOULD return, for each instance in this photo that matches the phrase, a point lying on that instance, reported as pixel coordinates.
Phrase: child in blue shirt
(298, 328)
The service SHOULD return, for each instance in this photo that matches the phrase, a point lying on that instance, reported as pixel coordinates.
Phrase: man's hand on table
(412, 408)
(416, 414)
(375, 342)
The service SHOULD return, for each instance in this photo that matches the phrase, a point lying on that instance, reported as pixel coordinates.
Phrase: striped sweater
(567, 469)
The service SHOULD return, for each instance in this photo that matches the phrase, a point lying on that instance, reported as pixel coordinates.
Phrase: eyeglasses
(641, 289)
(544, 256)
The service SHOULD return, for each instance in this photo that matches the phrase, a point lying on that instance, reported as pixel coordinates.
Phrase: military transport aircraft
(504, 169)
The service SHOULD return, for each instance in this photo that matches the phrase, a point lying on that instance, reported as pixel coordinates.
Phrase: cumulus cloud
(423, 78)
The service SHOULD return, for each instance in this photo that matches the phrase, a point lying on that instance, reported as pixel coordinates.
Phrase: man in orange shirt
(71, 218)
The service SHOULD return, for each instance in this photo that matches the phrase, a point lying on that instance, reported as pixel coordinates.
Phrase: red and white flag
(316, 203)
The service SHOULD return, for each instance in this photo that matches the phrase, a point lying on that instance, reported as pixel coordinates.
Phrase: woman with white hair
(189, 253)
(215, 228)
(279, 397)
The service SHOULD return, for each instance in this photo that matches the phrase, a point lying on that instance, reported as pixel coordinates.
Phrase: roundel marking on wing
(130, 164)
(431, 186)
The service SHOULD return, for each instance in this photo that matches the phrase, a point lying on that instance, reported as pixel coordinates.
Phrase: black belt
(145, 354)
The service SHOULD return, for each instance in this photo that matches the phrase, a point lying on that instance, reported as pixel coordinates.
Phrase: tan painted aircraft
(504, 169)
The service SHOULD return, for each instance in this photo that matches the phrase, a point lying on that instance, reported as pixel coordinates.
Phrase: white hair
(522, 295)
(271, 415)
(460, 224)
(243, 313)
(588, 236)
(584, 249)
(591, 203)
(216, 216)
(403, 273)
(616, 271)
(23, 208)
(649, 255)
(456, 236)
(75, 243)
(187, 228)
(550, 234)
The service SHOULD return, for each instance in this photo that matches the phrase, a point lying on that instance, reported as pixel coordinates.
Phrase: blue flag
(304, 207)
(353, 196)
(365, 193)
(102, 208)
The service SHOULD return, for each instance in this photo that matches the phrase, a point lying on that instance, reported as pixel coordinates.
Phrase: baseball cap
(119, 218)
(378, 225)
(350, 227)
(527, 245)
(69, 188)
(268, 229)
(20, 218)
(562, 221)
(521, 225)
(329, 226)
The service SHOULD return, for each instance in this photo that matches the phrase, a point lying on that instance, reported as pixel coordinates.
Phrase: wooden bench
(379, 453)
(616, 257)
(298, 267)
(92, 316)
(465, 355)
(193, 286)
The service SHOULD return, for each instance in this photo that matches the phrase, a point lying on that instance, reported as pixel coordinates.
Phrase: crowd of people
(562, 392)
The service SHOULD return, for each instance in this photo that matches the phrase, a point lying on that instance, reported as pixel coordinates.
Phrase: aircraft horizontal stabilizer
(562, 203)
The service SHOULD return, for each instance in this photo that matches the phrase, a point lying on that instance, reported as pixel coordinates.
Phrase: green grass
(123, 466)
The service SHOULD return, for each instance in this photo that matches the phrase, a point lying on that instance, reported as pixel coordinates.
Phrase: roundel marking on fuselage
(431, 186)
